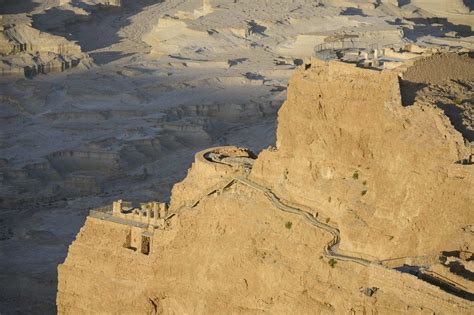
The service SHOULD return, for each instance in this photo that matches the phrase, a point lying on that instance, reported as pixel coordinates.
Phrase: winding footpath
(330, 250)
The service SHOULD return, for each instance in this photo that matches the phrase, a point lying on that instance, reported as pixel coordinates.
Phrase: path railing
(352, 44)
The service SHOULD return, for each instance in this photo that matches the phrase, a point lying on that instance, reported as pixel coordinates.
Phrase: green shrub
(288, 225)
(355, 175)
(332, 262)
(363, 192)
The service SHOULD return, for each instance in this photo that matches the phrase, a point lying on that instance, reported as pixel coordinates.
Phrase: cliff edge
(387, 174)
(343, 216)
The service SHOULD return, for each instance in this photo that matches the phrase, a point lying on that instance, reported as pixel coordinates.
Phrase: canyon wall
(26, 51)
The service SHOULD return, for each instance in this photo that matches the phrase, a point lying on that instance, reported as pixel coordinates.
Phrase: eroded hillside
(343, 216)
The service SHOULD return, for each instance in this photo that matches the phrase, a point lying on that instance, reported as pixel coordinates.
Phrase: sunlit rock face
(25, 51)
(387, 173)
(347, 150)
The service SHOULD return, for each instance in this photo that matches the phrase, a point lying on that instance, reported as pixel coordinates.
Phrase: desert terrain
(110, 100)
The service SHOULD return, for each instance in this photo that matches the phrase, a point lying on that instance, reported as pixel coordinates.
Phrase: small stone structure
(377, 56)
(142, 220)
(151, 213)
(388, 58)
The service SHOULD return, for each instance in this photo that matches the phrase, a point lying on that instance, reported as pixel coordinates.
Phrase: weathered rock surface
(387, 174)
(384, 174)
(25, 51)
(231, 254)
(457, 11)
(446, 81)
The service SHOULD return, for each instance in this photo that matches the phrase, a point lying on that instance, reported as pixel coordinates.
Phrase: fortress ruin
(142, 220)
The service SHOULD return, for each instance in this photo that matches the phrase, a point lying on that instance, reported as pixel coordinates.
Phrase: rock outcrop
(387, 174)
(348, 156)
(26, 51)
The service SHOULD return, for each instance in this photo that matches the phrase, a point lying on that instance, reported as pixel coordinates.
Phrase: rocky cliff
(355, 179)
(27, 51)
(387, 174)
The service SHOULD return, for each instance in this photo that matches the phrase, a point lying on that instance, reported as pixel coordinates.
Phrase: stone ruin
(142, 221)
(151, 213)
(145, 218)
(391, 58)
(376, 56)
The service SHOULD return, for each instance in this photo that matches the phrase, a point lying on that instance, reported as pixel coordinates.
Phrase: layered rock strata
(26, 51)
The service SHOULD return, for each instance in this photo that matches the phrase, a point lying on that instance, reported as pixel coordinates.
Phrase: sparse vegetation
(288, 225)
(355, 175)
(364, 182)
(457, 101)
(332, 262)
(363, 192)
(327, 220)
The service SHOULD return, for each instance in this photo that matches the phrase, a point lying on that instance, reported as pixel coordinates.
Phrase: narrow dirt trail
(330, 250)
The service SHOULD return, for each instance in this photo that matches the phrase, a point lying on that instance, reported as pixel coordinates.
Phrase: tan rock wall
(100, 268)
(232, 254)
(235, 252)
(346, 146)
